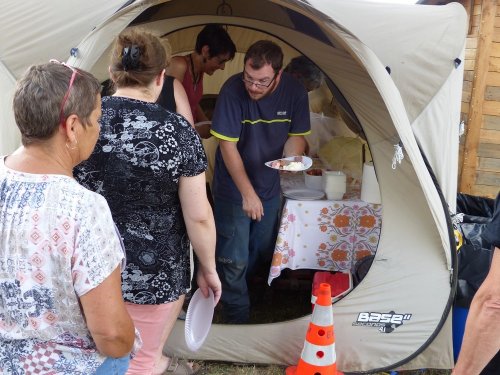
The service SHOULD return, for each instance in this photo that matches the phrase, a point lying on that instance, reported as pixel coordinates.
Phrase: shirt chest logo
(281, 113)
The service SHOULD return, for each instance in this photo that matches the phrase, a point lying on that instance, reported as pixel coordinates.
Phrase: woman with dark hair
(149, 164)
(213, 49)
(61, 309)
(173, 96)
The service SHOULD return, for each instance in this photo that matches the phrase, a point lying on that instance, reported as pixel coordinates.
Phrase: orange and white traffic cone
(318, 355)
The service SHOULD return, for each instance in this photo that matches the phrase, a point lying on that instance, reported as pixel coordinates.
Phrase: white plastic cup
(334, 184)
(313, 181)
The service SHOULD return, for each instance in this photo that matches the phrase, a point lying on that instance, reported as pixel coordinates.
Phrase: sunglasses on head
(66, 95)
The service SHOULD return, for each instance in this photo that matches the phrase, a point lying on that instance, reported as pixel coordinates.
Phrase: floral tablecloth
(325, 235)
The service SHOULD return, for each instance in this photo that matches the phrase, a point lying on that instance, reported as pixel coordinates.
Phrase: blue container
(458, 327)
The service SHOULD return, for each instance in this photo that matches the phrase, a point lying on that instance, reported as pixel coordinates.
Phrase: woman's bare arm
(107, 319)
(181, 101)
(200, 226)
(482, 329)
(177, 67)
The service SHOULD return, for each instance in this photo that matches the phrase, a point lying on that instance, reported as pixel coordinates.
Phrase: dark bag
(474, 256)
(471, 205)
(473, 266)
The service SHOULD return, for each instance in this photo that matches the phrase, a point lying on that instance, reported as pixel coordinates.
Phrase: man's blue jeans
(114, 366)
(243, 245)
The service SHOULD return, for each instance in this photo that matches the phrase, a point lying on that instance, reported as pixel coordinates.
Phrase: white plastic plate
(304, 194)
(198, 319)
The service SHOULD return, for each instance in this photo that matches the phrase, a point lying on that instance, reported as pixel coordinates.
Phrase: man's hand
(252, 206)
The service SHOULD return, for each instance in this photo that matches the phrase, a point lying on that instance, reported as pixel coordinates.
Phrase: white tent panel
(34, 32)
(10, 136)
(426, 36)
(438, 352)
(279, 343)
(420, 66)
(400, 242)
(92, 49)
(437, 128)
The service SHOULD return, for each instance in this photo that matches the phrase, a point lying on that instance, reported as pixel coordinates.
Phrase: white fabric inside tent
(417, 105)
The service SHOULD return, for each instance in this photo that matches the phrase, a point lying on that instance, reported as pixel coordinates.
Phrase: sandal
(181, 367)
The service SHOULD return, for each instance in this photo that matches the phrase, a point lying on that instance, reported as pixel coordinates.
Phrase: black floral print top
(142, 152)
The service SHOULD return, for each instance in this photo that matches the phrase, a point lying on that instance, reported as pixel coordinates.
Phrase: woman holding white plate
(150, 166)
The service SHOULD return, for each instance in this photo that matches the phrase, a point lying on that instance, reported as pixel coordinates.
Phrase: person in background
(260, 115)
(333, 118)
(481, 341)
(174, 99)
(173, 96)
(311, 77)
(60, 253)
(306, 72)
(213, 49)
(149, 164)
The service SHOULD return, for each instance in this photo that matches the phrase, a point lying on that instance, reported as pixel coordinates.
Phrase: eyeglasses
(66, 96)
(261, 84)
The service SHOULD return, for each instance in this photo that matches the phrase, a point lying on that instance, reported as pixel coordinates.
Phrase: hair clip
(131, 57)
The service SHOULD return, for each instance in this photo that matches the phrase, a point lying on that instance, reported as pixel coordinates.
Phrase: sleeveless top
(194, 94)
(167, 98)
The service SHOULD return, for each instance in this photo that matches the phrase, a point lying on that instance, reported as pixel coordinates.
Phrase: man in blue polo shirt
(261, 114)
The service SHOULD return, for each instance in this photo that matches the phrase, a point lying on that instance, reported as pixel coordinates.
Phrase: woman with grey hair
(60, 254)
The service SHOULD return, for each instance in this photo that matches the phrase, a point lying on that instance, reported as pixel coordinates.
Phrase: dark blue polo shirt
(260, 129)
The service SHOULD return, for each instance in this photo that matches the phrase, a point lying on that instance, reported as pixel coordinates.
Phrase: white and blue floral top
(57, 242)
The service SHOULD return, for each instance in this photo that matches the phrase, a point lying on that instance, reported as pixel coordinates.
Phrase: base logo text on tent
(387, 322)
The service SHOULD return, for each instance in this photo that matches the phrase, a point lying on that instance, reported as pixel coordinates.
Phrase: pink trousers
(152, 321)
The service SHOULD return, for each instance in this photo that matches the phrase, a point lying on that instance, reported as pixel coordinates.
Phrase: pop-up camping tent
(397, 70)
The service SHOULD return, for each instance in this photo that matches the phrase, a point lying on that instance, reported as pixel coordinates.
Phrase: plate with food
(292, 163)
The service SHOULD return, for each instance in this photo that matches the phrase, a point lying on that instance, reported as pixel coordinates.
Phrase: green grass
(218, 368)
